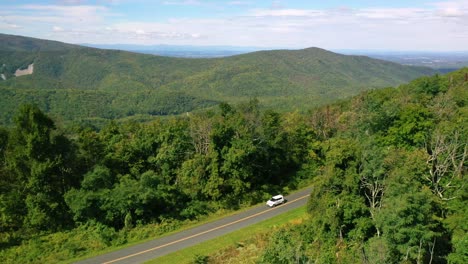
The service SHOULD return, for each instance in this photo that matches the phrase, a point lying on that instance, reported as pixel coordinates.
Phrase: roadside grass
(234, 243)
(96, 239)
(92, 240)
(150, 234)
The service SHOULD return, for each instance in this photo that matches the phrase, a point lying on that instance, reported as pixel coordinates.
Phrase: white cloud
(7, 24)
(57, 29)
(66, 10)
(70, 2)
(78, 16)
(452, 8)
(389, 28)
(451, 12)
(277, 4)
(392, 13)
(434, 26)
(184, 2)
(287, 13)
(239, 3)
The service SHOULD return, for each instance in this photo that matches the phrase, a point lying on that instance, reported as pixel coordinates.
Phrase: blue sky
(366, 24)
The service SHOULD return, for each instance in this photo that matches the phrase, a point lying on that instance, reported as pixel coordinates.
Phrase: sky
(417, 25)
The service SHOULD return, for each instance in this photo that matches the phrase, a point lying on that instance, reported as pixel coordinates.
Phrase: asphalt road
(162, 246)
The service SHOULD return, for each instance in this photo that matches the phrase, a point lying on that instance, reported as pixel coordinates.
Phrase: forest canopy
(387, 167)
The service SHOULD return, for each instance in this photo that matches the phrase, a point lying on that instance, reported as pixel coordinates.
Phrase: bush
(200, 259)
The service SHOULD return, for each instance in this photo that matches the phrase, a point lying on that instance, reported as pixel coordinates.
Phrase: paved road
(162, 246)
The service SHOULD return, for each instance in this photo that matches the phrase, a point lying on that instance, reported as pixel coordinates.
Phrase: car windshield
(275, 199)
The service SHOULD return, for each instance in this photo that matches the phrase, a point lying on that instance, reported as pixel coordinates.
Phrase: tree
(410, 217)
(39, 159)
(412, 128)
(340, 215)
(90, 148)
(193, 176)
(200, 130)
(446, 161)
(301, 141)
(284, 247)
(174, 146)
(373, 174)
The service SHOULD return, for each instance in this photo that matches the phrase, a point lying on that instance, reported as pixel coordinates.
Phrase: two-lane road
(165, 245)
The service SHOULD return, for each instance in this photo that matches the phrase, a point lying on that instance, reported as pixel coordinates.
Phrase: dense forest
(387, 169)
(76, 84)
(391, 184)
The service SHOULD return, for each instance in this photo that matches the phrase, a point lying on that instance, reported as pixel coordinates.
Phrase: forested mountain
(72, 82)
(388, 169)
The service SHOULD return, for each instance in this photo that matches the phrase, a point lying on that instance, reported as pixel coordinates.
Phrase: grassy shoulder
(150, 232)
(237, 244)
(142, 234)
(95, 239)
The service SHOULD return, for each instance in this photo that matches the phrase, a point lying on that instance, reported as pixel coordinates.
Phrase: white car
(275, 200)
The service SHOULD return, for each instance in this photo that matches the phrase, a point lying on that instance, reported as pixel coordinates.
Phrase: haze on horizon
(423, 25)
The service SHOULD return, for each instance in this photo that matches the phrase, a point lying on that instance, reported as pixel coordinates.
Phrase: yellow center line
(199, 234)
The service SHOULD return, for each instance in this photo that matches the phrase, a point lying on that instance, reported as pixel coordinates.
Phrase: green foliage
(200, 259)
(38, 163)
(458, 225)
(412, 128)
(387, 170)
(85, 239)
(130, 174)
(409, 216)
(285, 247)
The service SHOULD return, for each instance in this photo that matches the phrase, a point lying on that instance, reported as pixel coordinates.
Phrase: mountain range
(78, 83)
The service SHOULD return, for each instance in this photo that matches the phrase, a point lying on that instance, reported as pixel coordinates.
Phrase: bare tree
(373, 178)
(446, 162)
(374, 191)
(200, 130)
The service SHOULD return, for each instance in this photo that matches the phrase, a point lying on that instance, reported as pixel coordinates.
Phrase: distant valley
(181, 51)
(442, 61)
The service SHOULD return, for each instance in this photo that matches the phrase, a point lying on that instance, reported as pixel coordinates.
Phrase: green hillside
(387, 169)
(71, 82)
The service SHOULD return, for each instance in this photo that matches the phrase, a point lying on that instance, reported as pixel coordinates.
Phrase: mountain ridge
(116, 84)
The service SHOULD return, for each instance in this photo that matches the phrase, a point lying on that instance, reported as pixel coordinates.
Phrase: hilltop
(73, 82)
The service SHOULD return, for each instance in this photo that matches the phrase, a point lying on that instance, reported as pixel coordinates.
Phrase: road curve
(165, 245)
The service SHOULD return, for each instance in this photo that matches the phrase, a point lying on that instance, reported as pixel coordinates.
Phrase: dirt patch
(27, 71)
